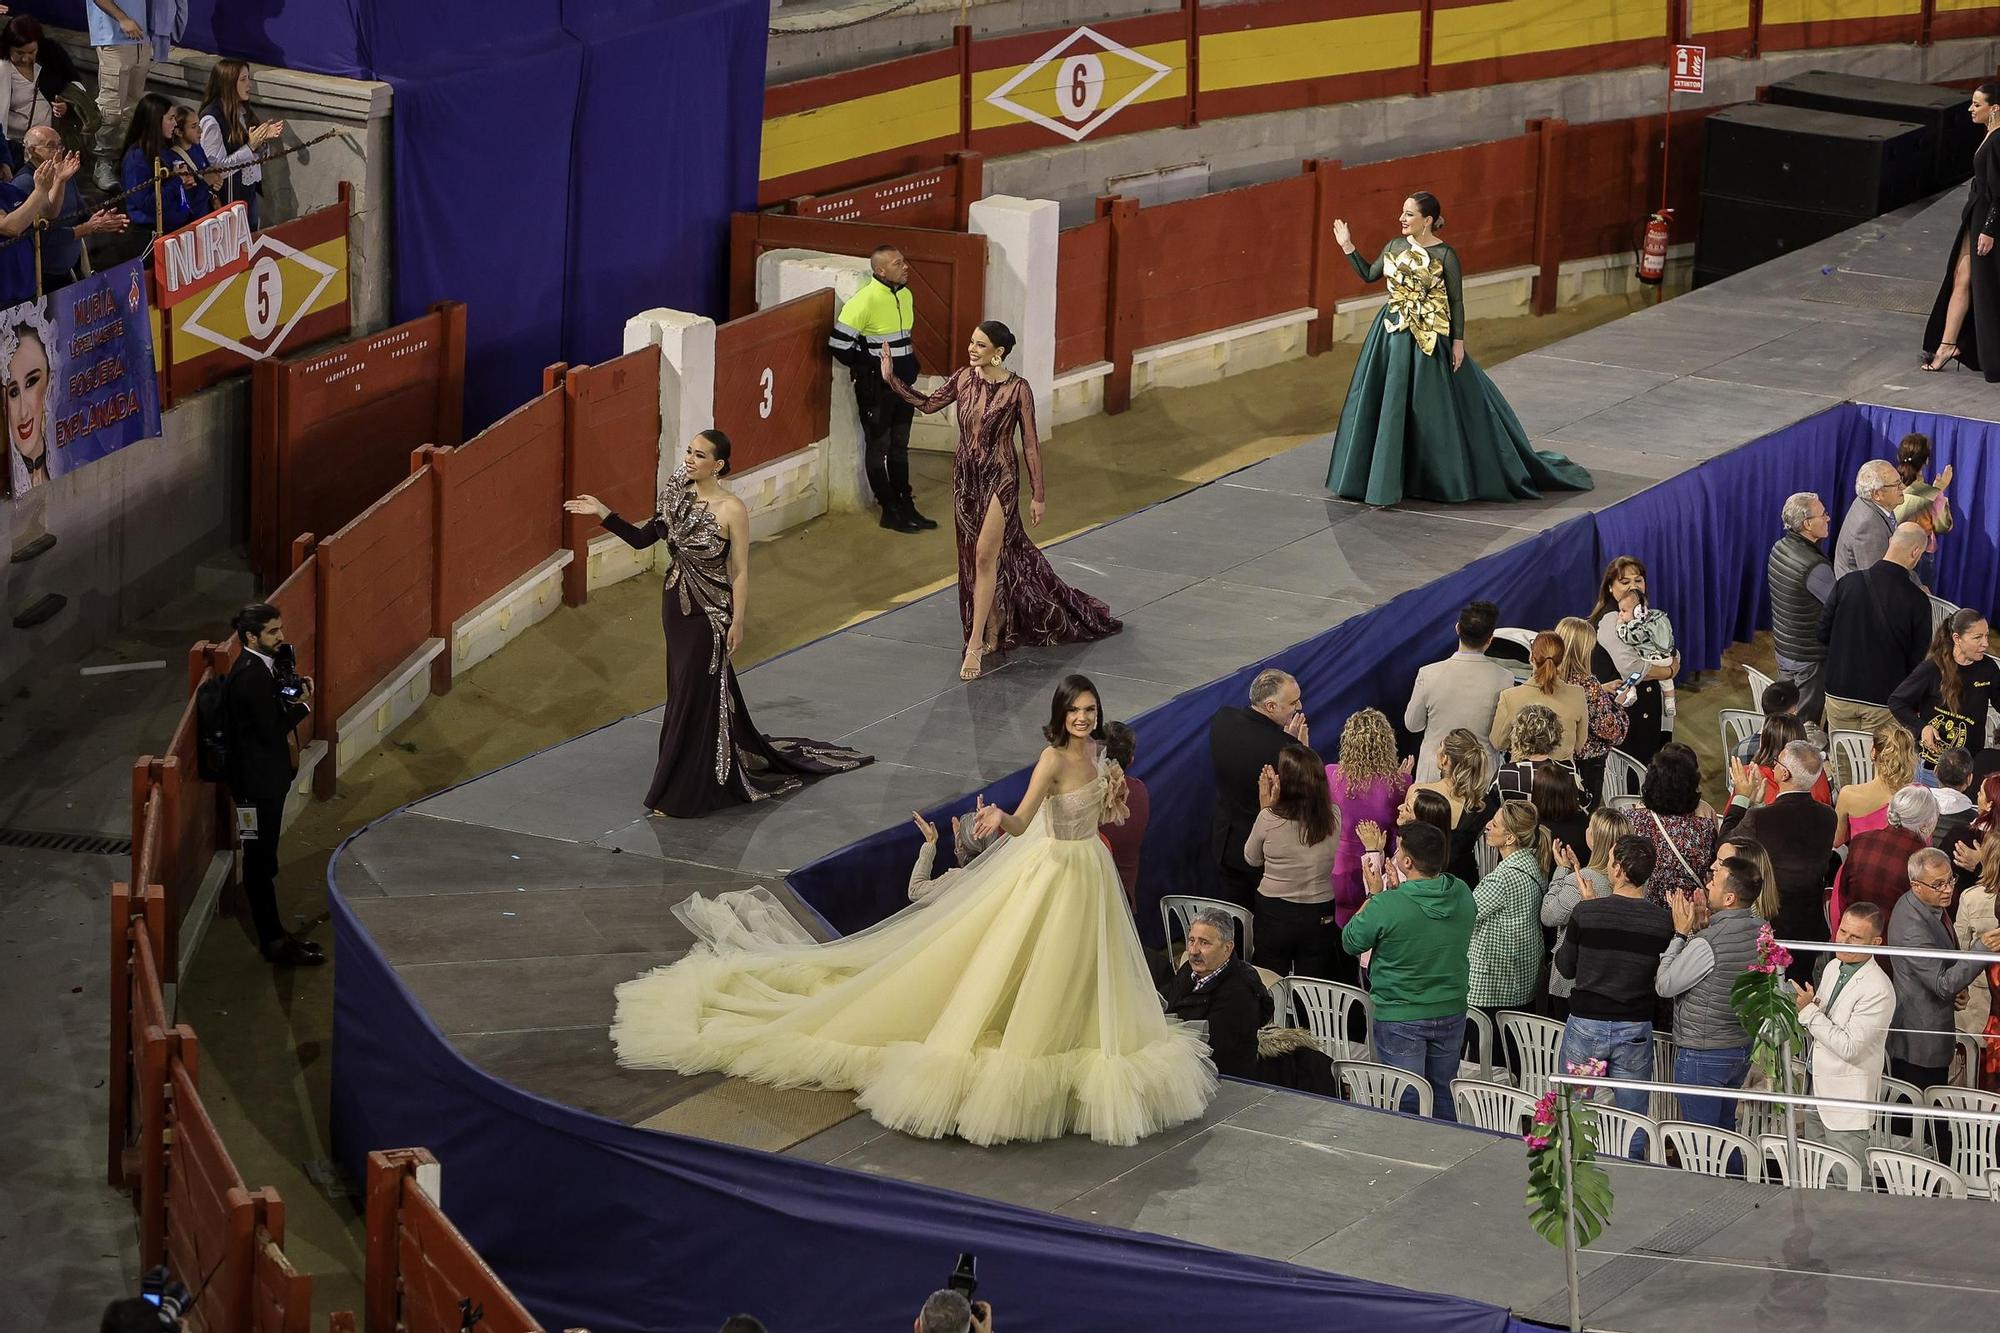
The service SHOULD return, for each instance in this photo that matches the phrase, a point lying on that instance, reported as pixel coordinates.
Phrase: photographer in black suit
(264, 698)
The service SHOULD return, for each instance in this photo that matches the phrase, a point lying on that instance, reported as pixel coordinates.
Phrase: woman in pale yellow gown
(1013, 1003)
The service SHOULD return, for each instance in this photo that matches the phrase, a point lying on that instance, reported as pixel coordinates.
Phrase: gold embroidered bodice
(1418, 300)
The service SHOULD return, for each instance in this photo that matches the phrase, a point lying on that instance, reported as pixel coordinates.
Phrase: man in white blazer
(1850, 1030)
(1461, 691)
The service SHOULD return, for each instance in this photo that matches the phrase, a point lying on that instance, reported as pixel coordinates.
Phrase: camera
(285, 668)
(965, 1277)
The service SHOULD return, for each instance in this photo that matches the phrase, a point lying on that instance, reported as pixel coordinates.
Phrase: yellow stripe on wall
(1320, 50)
(1964, 6)
(861, 126)
(1718, 15)
(1823, 11)
(1121, 76)
(1524, 27)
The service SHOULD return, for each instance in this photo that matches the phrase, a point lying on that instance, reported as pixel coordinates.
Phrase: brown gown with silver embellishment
(711, 754)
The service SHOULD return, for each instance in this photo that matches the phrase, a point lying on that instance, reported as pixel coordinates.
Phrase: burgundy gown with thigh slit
(711, 754)
(1030, 604)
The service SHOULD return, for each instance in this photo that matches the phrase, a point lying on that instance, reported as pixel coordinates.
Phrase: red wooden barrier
(947, 273)
(498, 512)
(773, 380)
(1255, 251)
(376, 577)
(1083, 265)
(936, 198)
(611, 448)
(211, 1217)
(297, 600)
(329, 433)
(135, 916)
(280, 1296)
(419, 1266)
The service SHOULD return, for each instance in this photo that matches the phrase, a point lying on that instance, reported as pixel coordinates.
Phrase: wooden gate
(773, 378)
(947, 273)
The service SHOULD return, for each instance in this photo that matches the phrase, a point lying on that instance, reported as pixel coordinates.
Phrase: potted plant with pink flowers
(1567, 1115)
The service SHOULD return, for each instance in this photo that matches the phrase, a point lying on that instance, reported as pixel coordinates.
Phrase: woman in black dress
(1971, 280)
(711, 754)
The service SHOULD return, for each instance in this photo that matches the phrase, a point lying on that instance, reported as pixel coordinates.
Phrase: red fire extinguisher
(1653, 250)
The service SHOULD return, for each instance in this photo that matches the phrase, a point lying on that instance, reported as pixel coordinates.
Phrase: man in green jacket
(1420, 932)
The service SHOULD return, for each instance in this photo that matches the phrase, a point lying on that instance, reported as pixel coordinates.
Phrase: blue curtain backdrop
(560, 165)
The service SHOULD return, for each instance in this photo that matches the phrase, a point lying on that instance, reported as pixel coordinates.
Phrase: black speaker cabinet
(1943, 112)
(1737, 234)
(1815, 159)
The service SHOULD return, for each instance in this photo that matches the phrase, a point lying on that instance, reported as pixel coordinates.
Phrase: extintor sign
(1690, 69)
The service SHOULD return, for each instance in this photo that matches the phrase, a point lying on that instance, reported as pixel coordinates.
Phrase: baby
(1651, 635)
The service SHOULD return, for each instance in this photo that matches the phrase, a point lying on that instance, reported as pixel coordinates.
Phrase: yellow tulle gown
(1014, 1003)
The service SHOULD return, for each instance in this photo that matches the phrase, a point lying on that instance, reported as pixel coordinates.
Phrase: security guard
(879, 315)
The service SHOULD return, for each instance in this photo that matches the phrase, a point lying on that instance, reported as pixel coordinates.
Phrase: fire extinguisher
(1653, 249)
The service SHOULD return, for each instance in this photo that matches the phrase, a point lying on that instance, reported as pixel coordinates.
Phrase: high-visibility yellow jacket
(875, 317)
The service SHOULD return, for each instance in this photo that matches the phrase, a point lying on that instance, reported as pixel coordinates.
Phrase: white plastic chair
(1975, 1145)
(1759, 682)
(1817, 1163)
(1970, 1050)
(1329, 1008)
(1906, 1173)
(1281, 1003)
(1485, 855)
(1754, 1120)
(1488, 1045)
(1532, 1047)
(1738, 725)
(1618, 1130)
(1493, 1106)
(1177, 910)
(1993, 1186)
(1879, 1135)
(1853, 756)
(1663, 1105)
(1625, 802)
(1381, 1086)
(1941, 611)
(1706, 1150)
(1623, 775)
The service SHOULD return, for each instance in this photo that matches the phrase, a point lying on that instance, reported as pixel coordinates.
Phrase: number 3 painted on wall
(767, 381)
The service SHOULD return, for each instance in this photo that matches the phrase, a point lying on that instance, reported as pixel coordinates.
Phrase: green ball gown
(1412, 425)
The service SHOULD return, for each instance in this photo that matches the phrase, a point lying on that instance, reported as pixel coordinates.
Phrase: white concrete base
(1617, 275)
(687, 377)
(507, 614)
(937, 433)
(785, 275)
(1208, 357)
(609, 560)
(783, 493)
(1079, 393)
(369, 722)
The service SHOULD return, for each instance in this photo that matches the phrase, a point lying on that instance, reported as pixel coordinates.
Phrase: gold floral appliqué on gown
(1418, 302)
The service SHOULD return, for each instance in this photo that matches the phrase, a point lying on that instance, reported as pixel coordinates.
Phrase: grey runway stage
(513, 904)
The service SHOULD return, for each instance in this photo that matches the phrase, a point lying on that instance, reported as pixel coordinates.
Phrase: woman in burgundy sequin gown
(1008, 595)
(711, 753)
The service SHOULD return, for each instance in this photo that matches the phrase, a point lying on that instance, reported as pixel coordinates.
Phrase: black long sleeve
(636, 538)
(1986, 165)
(1232, 1030)
(1917, 697)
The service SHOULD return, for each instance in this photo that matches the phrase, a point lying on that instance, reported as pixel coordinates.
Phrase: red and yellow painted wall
(1000, 95)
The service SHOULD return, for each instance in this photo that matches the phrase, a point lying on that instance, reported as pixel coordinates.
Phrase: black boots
(900, 515)
(910, 512)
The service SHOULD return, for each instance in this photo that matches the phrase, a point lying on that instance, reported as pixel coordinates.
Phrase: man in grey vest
(1801, 579)
(1697, 972)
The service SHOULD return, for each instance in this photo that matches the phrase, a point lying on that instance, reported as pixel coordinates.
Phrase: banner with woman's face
(76, 376)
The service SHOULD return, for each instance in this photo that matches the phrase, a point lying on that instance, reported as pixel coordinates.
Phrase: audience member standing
(1877, 866)
(1465, 779)
(1862, 806)
(1507, 928)
(1673, 817)
(1927, 989)
(1608, 720)
(1972, 920)
(1612, 953)
(1419, 932)
(1559, 806)
(1780, 730)
(1954, 802)
(1924, 504)
(1697, 973)
(879, 317)
(62, 242)
(129, 36)
(1293, 843)
(1367, 783)
(232, 136)
(1801, 581)
(1848, 1015)
(1547, 687)
(1461, 691)
(1577, 879)
(1876, 629)
(1621, 597)
(1797, 832)
(1781, 699)
(1242, 743)
(1121, 746)
(1864, 533)
(1531, 748)
(1944, 700)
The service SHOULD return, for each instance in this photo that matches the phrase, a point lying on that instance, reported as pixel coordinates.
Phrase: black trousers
(1300, 939)
(260, 872)
(885, 437)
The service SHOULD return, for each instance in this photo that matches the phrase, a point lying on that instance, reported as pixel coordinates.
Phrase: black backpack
(211, 723)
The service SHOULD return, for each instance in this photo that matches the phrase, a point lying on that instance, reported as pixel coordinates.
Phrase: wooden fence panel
(280, 1296)
(1255, 259)
(1083, 271)
(419, 1267)
(611, 449)
(1487, 192)
(774, 380)
(210, 1215)
(499, 506)
(376, 578)
(297, 600)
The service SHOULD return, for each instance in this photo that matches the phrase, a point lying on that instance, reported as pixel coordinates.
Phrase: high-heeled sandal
(1935, 364)
(969, 668)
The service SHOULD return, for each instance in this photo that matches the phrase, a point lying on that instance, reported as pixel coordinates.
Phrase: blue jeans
(1626, 1047)
(1428, 1048)
(1723, 1068)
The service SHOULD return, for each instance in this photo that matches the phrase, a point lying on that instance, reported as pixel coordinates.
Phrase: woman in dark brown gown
(1008, 595)
(711, 754)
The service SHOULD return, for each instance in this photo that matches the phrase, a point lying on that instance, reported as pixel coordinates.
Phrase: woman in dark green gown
(1422, 420)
